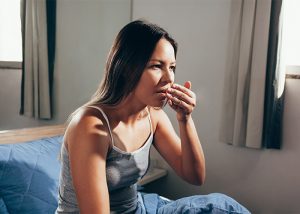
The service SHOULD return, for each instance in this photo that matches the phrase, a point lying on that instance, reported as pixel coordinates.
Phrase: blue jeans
(214, 203)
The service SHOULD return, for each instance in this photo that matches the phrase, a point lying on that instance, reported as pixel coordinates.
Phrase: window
(10, 34)
(291, 35)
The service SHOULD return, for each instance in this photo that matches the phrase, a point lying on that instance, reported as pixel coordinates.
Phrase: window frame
(11, 65)
(292, 72)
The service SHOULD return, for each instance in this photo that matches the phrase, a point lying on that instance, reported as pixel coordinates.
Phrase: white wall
(265, 181)
(85, 32)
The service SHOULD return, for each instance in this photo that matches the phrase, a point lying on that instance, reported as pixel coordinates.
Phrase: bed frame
(30, 134)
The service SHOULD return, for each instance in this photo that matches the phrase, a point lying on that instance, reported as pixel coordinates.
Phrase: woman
(106, 145)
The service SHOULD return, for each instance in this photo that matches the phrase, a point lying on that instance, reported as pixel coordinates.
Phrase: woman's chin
(160, 104)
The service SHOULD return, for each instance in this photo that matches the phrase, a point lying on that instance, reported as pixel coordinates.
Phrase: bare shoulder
(158, 116)
(87, 128)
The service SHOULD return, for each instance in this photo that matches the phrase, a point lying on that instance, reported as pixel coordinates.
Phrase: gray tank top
(123, 171)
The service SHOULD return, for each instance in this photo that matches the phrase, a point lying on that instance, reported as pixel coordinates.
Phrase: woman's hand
(182, 100)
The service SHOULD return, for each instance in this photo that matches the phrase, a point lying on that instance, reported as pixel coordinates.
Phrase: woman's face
(157, 76)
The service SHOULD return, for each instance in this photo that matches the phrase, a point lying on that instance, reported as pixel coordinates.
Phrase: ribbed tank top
(123, 171)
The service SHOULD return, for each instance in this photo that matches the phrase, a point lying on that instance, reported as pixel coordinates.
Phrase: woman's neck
(128, 111)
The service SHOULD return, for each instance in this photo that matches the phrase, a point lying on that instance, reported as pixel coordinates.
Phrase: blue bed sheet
(29, 175)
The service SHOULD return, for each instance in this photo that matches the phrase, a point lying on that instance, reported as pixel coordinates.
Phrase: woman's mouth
(163, 90)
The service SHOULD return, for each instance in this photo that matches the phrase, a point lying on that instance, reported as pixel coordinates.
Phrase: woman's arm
(193, 162)
(184, 154)
(87, 143)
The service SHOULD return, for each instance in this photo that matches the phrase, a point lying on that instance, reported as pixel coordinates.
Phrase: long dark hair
(127, 60)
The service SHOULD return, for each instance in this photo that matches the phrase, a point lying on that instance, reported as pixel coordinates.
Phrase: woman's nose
(168, 76)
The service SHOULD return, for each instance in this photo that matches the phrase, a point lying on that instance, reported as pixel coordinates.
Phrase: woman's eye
(172, 68)
(156, 66)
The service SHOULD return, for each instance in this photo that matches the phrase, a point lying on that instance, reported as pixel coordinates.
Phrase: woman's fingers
(183, 89)
(179, 104)
(179, 96)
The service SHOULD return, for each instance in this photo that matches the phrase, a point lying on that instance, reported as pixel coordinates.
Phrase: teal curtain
(274, 97)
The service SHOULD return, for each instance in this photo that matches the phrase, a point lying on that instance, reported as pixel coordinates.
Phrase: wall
(266, 181)
(84, 38)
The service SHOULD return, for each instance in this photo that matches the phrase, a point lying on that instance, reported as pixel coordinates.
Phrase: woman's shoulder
(86, 117)
(157, 116)
(87, 123)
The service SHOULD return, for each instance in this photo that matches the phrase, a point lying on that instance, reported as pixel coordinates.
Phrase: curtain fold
(38, 40)
(242, 117)
(275, 83)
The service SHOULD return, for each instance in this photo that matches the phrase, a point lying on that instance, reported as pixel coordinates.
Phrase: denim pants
(214, 203)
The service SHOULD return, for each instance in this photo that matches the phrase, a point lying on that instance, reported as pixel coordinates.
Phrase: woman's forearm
(192, 157)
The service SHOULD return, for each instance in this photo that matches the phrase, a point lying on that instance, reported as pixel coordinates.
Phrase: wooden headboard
(28, 134)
